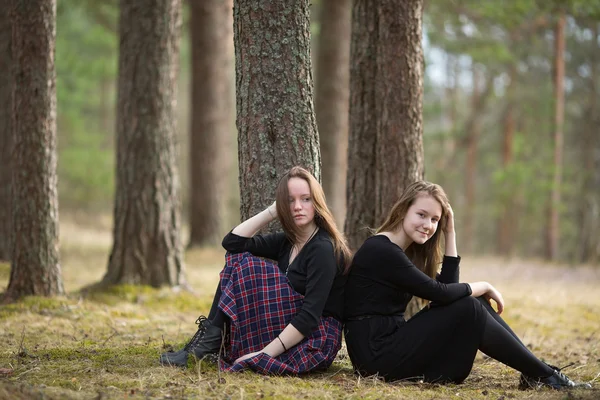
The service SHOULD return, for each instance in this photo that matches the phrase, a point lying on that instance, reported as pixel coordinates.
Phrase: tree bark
(332, 92)
(385, 150)
(212, 112)
(6, 134)
(553, 232)
(35, 259)
(274, 94)
(147, 245)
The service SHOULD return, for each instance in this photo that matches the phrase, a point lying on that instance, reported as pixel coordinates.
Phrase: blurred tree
(386, 79)
(553, 231)
(212, 110)
(274, 93)
(147, 245)
(332, 80)
(480, 92)
(6, 138)
(35, 266)
(506, 218)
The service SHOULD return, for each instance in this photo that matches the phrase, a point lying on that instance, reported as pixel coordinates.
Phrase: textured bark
(212, 110)
(332, 92)
(147, 245)
(274, 94)
(553, 231)
(35, 260)
(6, 135)
(386, 131)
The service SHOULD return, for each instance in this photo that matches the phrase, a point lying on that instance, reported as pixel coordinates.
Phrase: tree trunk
(6, 134)
(588, 250)
(211, 28)
(553, 232)
(35, 260)
(506, 220)
(147, 245)
(332, 93)
(274, 94)
(385, 150)
(473, 133)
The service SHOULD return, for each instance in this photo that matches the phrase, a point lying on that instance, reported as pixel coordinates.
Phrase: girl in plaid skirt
(280, 296)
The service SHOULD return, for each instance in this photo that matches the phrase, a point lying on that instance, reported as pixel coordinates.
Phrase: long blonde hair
(323, 217)
(428, 256)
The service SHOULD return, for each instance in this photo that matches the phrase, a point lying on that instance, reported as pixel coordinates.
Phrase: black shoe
(557, 381)
(206, 331)
(210, 343)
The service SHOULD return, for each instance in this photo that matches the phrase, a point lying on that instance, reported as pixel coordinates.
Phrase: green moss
(39, 305)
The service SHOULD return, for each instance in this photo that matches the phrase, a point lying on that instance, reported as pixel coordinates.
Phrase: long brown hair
(323, 217)
(428, 256)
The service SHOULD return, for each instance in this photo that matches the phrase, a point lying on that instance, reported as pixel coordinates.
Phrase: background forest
(504, 114)
(488, 116)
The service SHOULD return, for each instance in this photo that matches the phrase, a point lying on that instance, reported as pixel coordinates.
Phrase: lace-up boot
(557, 380)
(203, 338)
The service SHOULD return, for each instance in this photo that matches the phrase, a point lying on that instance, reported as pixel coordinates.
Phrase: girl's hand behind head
(449, 225)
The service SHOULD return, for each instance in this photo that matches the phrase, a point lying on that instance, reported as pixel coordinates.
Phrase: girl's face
(301, 205)
(421, 220)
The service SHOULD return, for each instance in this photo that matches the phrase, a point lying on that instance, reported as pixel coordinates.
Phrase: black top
(314, 273)
(382, 280)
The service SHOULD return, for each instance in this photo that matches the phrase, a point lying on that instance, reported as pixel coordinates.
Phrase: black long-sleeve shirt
(382, 281)
(314, 273)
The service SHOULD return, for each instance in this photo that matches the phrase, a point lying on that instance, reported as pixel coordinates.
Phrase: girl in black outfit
(439, 344)
(282, 316)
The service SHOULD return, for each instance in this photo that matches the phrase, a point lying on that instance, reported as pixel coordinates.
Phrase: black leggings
(497, 341)
(502, 344)
(217, 317)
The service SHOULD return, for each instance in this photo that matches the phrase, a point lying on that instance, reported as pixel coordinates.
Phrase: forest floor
(106, 345)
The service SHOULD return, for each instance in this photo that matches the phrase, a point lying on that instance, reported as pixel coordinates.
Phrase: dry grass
(106, 346)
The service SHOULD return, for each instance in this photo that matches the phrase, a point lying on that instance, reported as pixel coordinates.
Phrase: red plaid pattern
(261, 303)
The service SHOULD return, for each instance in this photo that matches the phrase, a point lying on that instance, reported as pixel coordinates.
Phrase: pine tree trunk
(6, 134)
(211, 27)
(385, 150)
(35, 260)
(506, 220)
(473, 133)
(588, 214)
(332, 92)
(274, 94)
(147, 245)
(553, 232)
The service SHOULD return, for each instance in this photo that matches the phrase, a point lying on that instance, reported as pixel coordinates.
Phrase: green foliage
(86, 65)
(515, 39)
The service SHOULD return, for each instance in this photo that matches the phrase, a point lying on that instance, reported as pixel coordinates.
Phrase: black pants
(438, 344)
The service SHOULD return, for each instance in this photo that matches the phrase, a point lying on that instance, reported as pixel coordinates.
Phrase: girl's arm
(249, 227)
(287, 339)
(450, 234)
(489, 292)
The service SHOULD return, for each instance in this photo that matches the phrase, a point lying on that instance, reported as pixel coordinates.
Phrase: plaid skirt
(260, 303)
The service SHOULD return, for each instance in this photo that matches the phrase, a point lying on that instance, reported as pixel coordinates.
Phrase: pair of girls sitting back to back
(285, 316)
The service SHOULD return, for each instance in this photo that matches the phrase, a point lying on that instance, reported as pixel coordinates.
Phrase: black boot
(557, 380)
(206, 332)
(210, 343)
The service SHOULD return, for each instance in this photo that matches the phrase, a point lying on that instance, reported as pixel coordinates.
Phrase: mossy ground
(105, 345)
